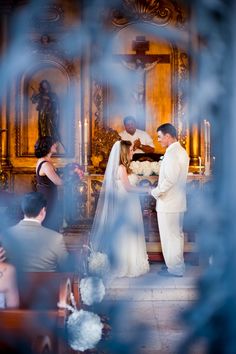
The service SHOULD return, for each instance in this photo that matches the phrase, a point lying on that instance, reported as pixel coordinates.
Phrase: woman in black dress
(48, 180)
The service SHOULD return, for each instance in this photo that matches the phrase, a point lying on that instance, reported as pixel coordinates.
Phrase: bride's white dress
(131, 253)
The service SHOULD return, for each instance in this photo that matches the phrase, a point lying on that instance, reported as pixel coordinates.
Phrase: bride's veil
(105, 215)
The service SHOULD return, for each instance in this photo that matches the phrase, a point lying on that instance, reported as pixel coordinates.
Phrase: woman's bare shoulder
(45, 162)
(121, 168)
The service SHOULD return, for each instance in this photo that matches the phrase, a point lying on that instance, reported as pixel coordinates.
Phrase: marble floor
(145, 312)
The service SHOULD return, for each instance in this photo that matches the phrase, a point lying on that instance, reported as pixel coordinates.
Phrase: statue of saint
(48, 111)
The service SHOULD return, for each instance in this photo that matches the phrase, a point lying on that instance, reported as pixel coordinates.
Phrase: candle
(86, 145)
(208, 142)
(80, 142)
(205, 132)
(85, 131)
(205, 138)
(200, 164)
(80, 133)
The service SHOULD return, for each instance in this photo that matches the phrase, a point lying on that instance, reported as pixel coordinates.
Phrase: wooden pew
(38, 326)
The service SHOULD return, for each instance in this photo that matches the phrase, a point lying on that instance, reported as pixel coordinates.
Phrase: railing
(80, 199)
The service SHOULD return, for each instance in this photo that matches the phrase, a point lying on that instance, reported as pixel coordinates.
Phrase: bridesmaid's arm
(49, 171)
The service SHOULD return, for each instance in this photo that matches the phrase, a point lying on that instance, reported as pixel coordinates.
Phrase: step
(153, 287)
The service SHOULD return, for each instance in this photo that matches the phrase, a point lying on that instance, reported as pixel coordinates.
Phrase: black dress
(49, 190)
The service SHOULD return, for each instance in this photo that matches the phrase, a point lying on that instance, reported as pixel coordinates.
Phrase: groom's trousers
(172, 241)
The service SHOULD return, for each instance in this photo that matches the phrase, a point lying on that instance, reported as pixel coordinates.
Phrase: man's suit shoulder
(35, 228)
(50, 232)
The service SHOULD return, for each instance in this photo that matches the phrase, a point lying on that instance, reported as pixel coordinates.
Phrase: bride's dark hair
(125, 154)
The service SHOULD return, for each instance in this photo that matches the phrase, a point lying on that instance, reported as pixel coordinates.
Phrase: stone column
(5, 9)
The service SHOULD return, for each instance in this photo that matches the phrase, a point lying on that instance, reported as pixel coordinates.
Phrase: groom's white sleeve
(171, 174)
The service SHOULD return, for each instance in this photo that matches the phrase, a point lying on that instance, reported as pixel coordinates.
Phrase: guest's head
(130, 125)
(166, 134)
(34, 206)
(44, 146)
(126, 154)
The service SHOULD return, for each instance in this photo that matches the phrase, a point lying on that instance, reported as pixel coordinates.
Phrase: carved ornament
(48, 17)
(3, 180)
(183, 82)
(161, 13)
(104, 137)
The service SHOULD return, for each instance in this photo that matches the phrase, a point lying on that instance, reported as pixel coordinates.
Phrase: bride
(118, 224)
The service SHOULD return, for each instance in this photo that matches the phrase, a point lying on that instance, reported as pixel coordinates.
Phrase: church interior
(122, 66)
(97, 62)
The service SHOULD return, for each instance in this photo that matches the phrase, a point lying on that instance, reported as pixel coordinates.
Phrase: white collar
(31, 219)
(172, 146)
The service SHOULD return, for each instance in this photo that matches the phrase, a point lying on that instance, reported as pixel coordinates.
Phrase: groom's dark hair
(168, 128)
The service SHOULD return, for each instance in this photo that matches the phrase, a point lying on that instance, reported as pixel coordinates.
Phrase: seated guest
(142, 142)
(9, 296)
(30, 246)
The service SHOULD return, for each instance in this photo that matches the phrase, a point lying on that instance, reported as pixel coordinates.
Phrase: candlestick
(200, 165)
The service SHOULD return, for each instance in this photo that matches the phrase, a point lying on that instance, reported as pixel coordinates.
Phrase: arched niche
(61, 82)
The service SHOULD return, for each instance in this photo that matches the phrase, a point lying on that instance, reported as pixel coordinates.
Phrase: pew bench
(38, 326)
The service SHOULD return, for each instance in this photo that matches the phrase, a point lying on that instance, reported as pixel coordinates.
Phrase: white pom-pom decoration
(92, 290)
(84, 330)
(98, 264)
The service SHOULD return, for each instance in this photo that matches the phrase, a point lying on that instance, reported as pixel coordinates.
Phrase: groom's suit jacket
(34, 248)
(170, 192)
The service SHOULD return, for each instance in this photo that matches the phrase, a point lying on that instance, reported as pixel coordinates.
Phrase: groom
(170, 195)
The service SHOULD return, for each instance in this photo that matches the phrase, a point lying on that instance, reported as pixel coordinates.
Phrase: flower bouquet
(74, 193)
(72, 172)
(145, 168)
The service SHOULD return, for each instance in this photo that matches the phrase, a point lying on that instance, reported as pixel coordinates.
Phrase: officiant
(141, 140)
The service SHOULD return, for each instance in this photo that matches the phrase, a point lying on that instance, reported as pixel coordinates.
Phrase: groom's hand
(137, 144)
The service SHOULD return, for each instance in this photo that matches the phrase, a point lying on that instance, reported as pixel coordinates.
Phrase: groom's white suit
(171, 204)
